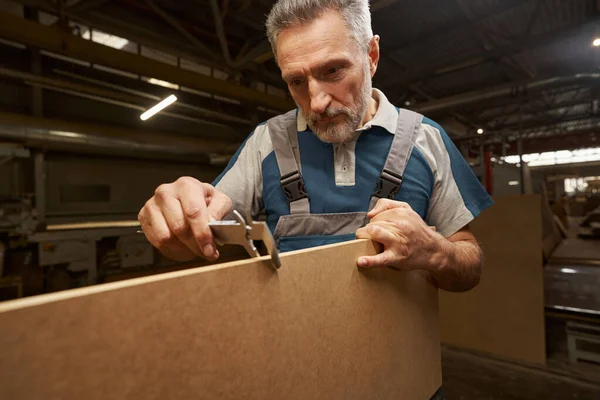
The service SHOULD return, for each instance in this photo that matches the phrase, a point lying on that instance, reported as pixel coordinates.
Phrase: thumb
(384, 205)
(218, 204)
(379, 260)
(381, 206)
(376, 210)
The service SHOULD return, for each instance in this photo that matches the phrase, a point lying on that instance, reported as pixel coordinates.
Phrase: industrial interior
(516, 85)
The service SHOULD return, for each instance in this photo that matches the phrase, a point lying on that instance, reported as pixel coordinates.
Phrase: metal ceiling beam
(456, 24)
(220, 31)
(258, 54)
(155, 39)
(490, 121)
(51, 39)
(559, 141)
(463, 120)
(531, 122)
(250, 23)
(76, 87)
(202, 106)
(478, 96)
(122, 97)
(591, 125)
(529, 67)
(203, 123)
(497, 53)
(487, 45)
(243, 50)
(548, 102)
(179, 104)
(88, 4)
(533, 18)
(37, 131)
(187, 35)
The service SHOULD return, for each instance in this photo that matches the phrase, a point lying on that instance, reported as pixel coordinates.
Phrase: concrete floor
(468, 376)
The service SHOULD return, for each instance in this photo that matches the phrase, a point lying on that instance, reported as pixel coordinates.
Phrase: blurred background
(516, 84)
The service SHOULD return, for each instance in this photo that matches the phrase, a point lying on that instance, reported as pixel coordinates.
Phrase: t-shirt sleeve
(242, 178)
(458, 197)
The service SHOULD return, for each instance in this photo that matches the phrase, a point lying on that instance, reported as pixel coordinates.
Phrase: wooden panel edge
(32, 301)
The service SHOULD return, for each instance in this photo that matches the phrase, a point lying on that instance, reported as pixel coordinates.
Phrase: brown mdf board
(504, 314)
(319, 328)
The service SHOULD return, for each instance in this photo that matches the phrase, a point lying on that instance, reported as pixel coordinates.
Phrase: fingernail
(362, 262)
(208, 250)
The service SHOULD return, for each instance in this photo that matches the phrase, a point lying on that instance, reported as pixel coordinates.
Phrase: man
(313, 170)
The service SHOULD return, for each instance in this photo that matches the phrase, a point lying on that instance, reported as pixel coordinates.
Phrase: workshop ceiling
(431, 50)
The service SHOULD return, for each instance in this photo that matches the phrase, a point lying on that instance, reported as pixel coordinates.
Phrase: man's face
(328, 75)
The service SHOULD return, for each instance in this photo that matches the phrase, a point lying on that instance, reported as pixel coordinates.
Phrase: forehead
(315, 42)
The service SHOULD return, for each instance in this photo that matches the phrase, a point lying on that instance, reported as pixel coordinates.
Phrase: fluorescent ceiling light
(568, 271)
(157, 108)
(166, 84)
(66, 134)
(513, 183)
(113, 41)
(596, 42)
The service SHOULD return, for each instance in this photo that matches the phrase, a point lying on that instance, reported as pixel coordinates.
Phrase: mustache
(328, 113)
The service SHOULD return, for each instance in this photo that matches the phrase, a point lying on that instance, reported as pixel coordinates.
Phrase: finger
(193, 203)
(172, 212)
(384, 259)
(384, 205)
(218, 203)
(389, 215)
(378, 232)
(157, 232)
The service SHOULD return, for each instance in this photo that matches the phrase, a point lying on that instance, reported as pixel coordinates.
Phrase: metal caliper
(244, 231)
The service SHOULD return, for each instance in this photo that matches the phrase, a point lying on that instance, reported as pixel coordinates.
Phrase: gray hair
(286, 13)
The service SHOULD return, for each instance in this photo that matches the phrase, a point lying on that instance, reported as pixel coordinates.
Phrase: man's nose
(319, 98)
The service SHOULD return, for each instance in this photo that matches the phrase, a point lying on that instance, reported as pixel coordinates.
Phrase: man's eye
(332, 71)
(295, 82)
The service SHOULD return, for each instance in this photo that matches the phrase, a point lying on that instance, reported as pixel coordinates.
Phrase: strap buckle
(388, 185)
(293, 186)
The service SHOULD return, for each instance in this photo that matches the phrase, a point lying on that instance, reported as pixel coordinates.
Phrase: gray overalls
(309, 228)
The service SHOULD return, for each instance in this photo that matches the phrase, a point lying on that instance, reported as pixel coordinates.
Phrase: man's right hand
(175, 220)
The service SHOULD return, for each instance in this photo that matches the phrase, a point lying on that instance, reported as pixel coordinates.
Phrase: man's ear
(374, 54)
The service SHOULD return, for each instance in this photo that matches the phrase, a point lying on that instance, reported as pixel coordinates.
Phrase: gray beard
(343, 131)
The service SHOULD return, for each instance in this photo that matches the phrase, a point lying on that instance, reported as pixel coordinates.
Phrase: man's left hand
(408, 242)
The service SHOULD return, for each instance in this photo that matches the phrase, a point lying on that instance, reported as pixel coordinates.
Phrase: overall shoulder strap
(390, 180)
(284, 136)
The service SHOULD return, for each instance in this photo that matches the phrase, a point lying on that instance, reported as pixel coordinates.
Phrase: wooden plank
(94, 225)
(318, 328)
(504, 315)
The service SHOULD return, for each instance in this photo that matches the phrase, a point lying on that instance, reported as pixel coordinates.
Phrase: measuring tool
(243, 231)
